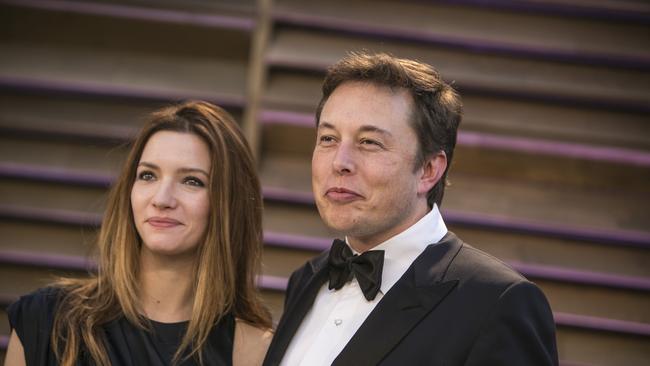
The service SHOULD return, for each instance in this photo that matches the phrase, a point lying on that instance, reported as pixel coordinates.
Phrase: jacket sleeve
(519, 331)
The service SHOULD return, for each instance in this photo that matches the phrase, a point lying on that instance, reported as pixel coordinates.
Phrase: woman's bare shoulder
(251, 343)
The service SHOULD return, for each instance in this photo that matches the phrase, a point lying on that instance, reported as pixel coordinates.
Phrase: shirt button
(338, 322)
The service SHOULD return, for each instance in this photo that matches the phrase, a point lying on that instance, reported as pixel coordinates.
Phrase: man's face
(363, 174)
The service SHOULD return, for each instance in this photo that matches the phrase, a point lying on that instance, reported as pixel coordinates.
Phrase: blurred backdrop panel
(552, 167)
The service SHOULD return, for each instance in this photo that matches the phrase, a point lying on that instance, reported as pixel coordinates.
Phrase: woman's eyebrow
(181, 170)
(193, 170)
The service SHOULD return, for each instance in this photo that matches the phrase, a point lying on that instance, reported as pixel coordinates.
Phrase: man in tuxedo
(400, 289)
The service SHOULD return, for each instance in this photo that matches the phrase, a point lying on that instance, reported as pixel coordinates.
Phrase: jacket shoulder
(474, 266)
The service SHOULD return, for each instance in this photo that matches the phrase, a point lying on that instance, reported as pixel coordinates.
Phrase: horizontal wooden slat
(492, 219)
(537, 158)
(294, 228)
(87, 156)
(104, 121)
(568, 332)
(290, 91)
(565, 297)
(107, 30)
(222, 14)
(632, 10)
(601, 348)
(492, 74)
(512, 197)
(47, 237)
(477, 28)
(98, 72)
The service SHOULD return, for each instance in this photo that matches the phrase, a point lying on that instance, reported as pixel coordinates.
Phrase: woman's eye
(146, 176)
(194, 181)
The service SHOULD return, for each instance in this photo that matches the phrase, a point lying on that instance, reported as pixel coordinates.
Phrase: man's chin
(343, 225)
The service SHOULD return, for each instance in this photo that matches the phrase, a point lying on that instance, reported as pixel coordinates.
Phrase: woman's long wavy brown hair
(227, 262)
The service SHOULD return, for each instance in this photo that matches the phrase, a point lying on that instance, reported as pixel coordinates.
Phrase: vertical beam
(257, 75)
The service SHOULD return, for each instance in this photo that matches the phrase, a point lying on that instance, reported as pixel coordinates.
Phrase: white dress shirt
(336, 315)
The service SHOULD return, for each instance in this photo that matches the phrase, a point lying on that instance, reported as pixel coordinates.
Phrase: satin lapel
(416, 294)
(300, 305)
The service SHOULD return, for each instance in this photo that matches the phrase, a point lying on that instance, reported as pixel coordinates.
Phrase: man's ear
(432, 171)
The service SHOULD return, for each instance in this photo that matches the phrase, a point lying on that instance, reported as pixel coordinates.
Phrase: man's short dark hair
(437, 109)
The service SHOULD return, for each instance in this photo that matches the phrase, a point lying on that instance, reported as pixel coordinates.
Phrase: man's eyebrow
(364, 128)
(181, 170)
(375, 129)
(326, 125)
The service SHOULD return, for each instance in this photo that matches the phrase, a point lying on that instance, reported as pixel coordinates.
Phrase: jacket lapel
(421, 288)
(300, 303)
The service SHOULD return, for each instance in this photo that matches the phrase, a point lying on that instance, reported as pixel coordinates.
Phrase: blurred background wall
(551, 172)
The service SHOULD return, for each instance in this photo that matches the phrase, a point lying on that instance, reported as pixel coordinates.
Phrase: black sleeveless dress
(32, 317)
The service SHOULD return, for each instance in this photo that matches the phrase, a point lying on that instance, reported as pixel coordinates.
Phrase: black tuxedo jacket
(455, 305)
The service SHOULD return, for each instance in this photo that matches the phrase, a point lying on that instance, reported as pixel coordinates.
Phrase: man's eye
(370, 142)
(194, 181)
(326, 139)
(146, 176)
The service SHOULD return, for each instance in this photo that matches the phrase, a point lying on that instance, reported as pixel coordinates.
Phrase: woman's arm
(15, 354)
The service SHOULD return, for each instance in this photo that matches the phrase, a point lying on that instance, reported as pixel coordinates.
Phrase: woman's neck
(166, 287)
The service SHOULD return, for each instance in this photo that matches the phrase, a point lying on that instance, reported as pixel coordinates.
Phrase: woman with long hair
(179, 251)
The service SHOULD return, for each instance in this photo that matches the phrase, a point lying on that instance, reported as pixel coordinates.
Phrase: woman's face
(170, 199)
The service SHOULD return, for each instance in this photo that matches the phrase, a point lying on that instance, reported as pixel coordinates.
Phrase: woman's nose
(164, 196)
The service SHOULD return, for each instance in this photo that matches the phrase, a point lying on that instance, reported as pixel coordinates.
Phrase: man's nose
(344, 159)
(164, 196)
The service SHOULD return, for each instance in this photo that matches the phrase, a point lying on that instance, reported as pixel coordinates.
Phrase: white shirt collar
(401, 250)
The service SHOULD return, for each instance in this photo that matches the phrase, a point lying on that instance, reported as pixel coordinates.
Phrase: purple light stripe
(116, 91)
(637, 61)
(55, 174)
(583, 277)
(546, 272)
(140, 13)
(610, 102)
(296, 241)
(591, 234)
(276, 283)
(55, 261)
(547, 147)
(55, 216)
(281, 117)
(596, 235)
(625, 11)
(553, 273)
(602, 324)
(79, 263)
(492, 141)
(272, 283)
(4, 342)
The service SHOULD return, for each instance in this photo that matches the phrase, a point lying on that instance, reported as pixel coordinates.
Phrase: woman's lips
(163, 222)
(342, 195)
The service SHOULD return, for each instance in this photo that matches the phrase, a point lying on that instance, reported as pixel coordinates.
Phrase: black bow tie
(366, 268)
